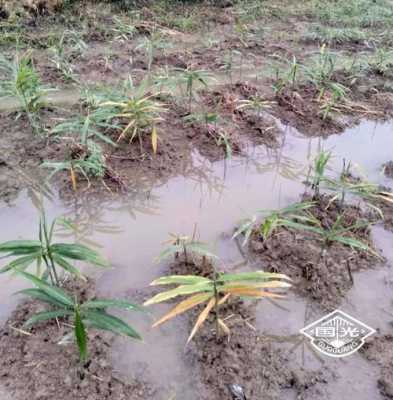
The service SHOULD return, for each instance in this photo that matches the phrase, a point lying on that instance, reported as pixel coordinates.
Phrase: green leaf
(171, 250)
(257, 276)
(354, 243)
(79, 252)
(47, 315)
(180, 291)
(200, 248)
(19, 247)
(301, 227)
(102, 320)
(66, 265)
(104, 303)
(54, 292)
(21, 262)
(40, 295)
(81, 337)
(245, 229)
(180, 280)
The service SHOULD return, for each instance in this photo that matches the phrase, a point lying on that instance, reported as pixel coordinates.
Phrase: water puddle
(131, 231)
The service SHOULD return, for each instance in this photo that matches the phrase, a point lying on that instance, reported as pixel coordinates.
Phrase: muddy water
(131, 230)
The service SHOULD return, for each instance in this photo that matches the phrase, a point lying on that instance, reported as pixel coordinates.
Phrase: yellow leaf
(224, 327)
(202, 317)
(154, 139)
(252, 292)
(224, 299)
(73, 179)
(257, 285)
(184, 306)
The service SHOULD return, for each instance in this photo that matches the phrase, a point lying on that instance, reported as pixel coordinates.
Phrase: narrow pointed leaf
(55, 292)
(173, 249)
(180, 291)
(102, 320)
(252, 293)
(257, 285)
(154, 140)
(180, 280)
(20, 247)
(67, 266)
(224, 326)
(81, 337)
(47, 315)
(103, 303)
(256, 276)
(40, 295)
(21, 263)
(15, 245)
(201, 319)
(184, 306)
(79, 252)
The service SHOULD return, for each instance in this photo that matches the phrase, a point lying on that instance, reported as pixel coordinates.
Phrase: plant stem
(216, 311)
(49, 269)
(185, 253)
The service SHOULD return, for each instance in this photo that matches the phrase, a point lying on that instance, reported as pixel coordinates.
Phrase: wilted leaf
(180, 291)
(184, 306)
(202, 317)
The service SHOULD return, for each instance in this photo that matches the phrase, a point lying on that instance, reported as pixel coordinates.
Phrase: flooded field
(239, 152)
(130, 231)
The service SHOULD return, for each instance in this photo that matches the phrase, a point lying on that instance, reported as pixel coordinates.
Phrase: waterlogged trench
(131, 232)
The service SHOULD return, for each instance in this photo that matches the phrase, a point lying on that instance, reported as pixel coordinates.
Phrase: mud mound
(247, 359)
(35, 366)
(298, 254)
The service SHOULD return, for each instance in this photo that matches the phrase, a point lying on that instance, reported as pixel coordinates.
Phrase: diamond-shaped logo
(337, 334)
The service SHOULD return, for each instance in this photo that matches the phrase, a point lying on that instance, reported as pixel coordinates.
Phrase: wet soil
(388, 169)
(235, 359)
(110, 58)
(323, 277)
(386, 207)
(33, 365)
(379, 351)
(22, 152)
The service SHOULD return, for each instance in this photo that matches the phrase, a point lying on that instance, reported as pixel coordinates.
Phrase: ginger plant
(82, 315)
(215, 292)
(45, 251)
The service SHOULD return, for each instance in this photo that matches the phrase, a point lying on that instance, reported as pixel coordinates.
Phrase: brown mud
(236, 358)
(33, 365)
(379, 351)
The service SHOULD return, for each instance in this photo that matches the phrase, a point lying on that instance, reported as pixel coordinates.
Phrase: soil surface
(379, 350)
(248, 99)
(236, 359)
(35, 366)
(240, 59)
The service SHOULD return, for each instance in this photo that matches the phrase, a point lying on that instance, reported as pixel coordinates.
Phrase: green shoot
(45, 252)
(83, 316)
